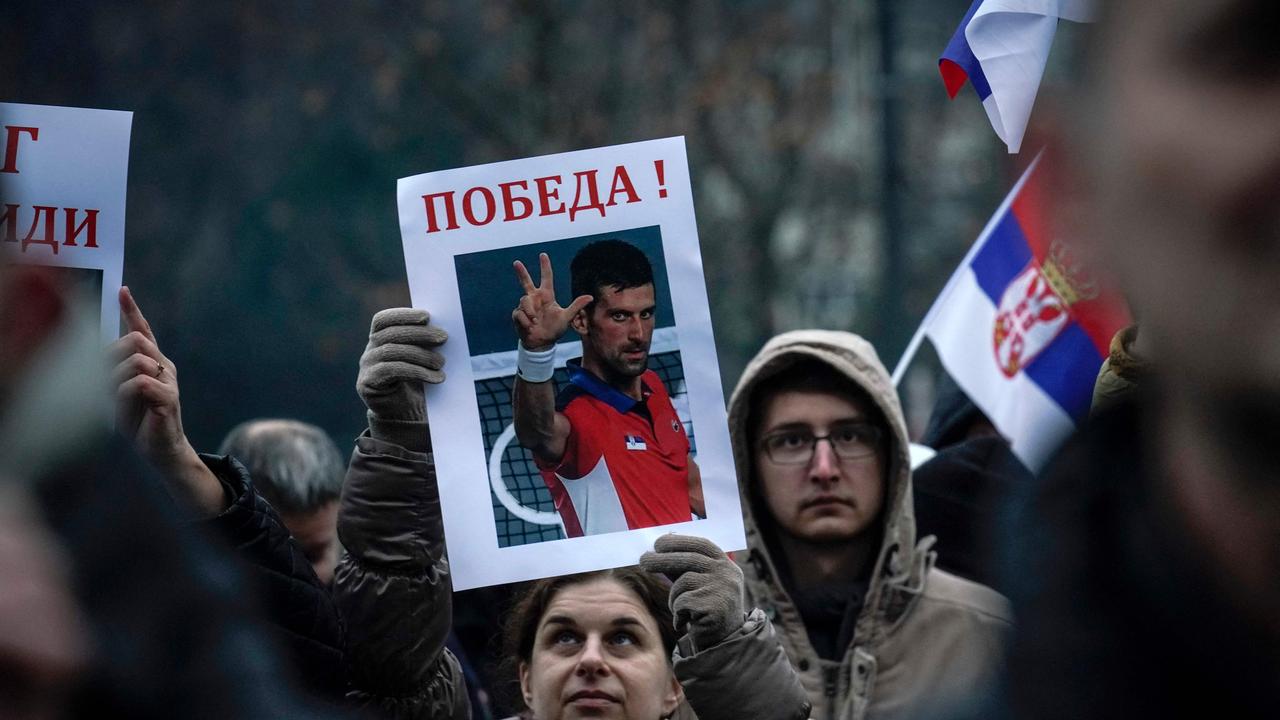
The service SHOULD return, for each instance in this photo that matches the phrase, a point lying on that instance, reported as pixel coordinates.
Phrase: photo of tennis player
(596, 406)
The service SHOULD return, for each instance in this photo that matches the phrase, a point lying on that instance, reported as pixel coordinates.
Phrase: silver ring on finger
(159, 369)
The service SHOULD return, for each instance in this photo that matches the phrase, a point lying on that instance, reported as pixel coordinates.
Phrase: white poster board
(462, 230)
(63, 174)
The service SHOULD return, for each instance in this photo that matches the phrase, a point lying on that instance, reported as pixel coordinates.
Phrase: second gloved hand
(400, 357)
(706, 590)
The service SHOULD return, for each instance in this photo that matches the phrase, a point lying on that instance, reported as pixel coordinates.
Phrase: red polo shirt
(626, 462)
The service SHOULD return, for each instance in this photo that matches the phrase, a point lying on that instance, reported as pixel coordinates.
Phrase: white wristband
(535, 366)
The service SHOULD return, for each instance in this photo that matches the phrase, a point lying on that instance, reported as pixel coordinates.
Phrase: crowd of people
(1135, 576)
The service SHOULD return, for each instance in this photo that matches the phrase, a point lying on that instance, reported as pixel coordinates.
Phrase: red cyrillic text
(521, 199)
(12, 134)
(546, 194)
(593, 194)
(89, 226)
(509, 201)
(451, 215)
(621, 184)
(43, 225)
(490, 205)
(50, 218)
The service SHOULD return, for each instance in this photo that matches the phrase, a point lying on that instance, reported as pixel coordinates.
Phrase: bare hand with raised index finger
(149, 412)
(539, 319)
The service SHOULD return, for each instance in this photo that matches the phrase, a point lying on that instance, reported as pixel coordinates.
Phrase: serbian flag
(1001, 47)
(1024, 326)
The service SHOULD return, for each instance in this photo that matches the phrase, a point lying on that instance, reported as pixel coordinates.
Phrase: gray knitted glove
(400, 357)
(706, 594)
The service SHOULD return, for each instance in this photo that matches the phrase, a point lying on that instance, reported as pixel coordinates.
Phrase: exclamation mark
(662, 189)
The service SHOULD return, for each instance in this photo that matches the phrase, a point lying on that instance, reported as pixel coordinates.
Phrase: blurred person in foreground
(1151, 566)
(109, 604)
(874, 628)
(607, 650)
(297, 468)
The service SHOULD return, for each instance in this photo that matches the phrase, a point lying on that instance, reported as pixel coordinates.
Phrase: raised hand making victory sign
(539, 319)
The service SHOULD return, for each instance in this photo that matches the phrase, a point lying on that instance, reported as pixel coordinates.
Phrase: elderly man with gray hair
(298, 469)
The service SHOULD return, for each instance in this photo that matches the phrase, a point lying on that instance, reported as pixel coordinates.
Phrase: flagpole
(914, 346)
(908, 355)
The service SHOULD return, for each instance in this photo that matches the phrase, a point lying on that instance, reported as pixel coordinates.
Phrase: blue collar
(601, 390)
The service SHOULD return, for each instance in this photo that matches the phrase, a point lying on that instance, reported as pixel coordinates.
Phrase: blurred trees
(262, 229)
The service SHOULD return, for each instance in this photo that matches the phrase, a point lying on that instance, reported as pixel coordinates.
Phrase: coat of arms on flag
(1024, 325)
(1036, 307)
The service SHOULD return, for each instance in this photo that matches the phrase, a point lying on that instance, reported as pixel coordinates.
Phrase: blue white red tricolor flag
(1001, 48)
(1024, 326)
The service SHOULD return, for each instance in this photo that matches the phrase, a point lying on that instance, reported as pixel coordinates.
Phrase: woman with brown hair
(593, 645)
(624, 644)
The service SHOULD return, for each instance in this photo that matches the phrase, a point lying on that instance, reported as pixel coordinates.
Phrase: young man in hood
(874, 629)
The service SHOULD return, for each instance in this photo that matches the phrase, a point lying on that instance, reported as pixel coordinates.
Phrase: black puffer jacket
(392, 587)
(960, 498)
(299, 607)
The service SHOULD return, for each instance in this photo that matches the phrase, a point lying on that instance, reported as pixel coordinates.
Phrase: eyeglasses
(849, 441)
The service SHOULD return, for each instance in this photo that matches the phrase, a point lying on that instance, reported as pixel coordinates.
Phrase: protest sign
(63, 183)
(628, 470)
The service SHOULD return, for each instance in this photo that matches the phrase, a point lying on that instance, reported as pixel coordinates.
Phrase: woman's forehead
(600, 601)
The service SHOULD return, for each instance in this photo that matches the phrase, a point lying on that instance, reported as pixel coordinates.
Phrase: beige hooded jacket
(925, 641)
